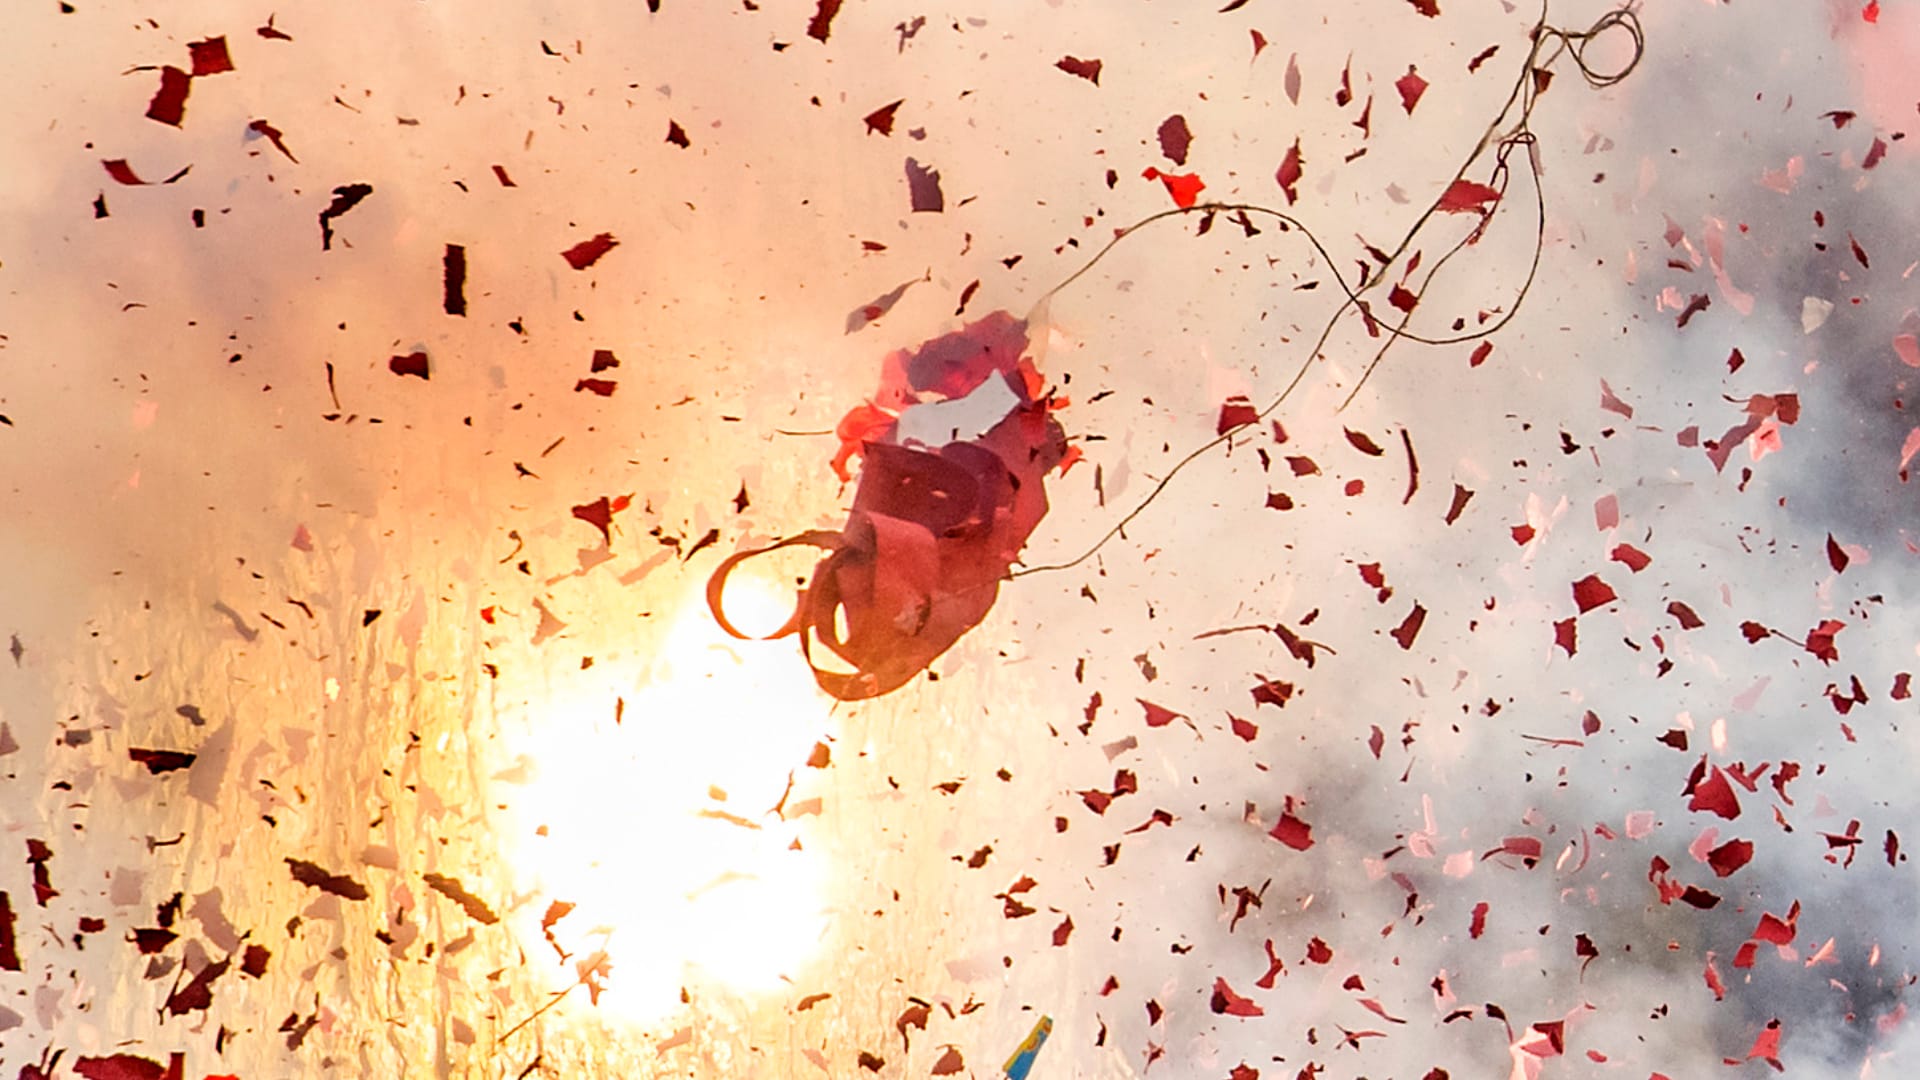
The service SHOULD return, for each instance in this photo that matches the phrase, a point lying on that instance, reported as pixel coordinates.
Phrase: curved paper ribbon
(932, 533)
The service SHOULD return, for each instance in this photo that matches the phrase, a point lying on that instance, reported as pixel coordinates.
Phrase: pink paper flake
(1606, 512)
(1907, 348)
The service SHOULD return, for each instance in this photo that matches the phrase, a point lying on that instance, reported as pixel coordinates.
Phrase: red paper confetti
(313, 876)
(273, 135)
(1292, 832)
(476, 909)
(1566, 635)
(587, 252)
(1525, 848)
(9, 950)
(161, 761)
(1688, 620)
(599, 513)
(1820, 640)
(1635, 559)
(210, 57)
(1409, 627)
(197, 995)
(1766, 1045)
(1289, 174)
(122, 172)
(881, 119)
(1461, 496)
(1226, 1002)
(1777, 931)
(1175, 138)
(38, 856)
(1710, 791)
(1730, 856)
(129, 1067)
(1236, 412)
(1086, 69)
(1590, 592)
(1272, 692)
(1157, 715)
(345, 198)
(1411, 86)
(1185, 188)
(453, 272)
(821, 25)
(169, 104)
(413, 363)
(1467, 197)
(1360, 441)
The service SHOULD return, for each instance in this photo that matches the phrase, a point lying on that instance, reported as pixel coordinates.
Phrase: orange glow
(661, 826)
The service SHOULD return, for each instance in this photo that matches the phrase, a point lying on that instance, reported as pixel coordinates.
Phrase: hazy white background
(195, 534)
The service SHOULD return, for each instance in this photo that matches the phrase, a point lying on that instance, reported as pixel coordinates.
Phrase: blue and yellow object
(1022, 1060)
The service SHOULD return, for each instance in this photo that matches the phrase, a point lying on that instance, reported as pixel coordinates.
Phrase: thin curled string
(1549, 43)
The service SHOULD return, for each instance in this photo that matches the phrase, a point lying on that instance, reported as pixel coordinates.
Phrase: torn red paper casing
(934, 530)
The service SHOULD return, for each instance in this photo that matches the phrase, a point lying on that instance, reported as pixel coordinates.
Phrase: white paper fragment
(1813, 313)
(938, 423)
